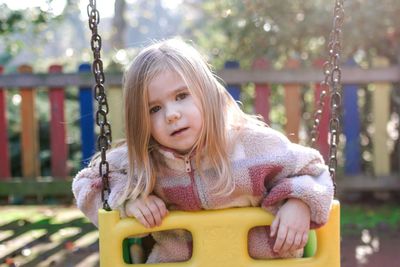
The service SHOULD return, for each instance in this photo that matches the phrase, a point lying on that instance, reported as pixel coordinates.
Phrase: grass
(356, 217)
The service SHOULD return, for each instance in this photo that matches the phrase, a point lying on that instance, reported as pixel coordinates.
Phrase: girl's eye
(181, 96)
(154, 109)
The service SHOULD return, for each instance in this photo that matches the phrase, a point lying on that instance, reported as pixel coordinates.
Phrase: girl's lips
(177, 132)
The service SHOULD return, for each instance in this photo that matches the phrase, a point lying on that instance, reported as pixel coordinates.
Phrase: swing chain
(104, 138)
(332, 82)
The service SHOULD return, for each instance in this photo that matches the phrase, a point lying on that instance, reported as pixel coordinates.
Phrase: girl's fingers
(148, 214)
(297, 242)
(137, 213)
(290, 236)
(148, 211)
(281, 237)
(161, 207)
(304, 239)
(274, 226)
(155, 212)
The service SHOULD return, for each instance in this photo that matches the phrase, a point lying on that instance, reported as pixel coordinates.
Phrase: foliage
(278, 30)
(16, 23)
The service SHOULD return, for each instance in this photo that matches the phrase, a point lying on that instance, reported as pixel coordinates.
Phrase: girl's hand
(148, 211)
(291, 224)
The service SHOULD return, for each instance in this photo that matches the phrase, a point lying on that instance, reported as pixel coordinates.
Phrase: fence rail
(380, 81)
(351, 75)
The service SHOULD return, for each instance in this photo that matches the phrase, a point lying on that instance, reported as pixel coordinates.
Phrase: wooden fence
(379, 83)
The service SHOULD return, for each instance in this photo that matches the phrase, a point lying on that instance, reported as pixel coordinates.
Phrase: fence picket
(116, 104)
(29, 130)
(351, 129)
(322, 141)
(86, 119)
(381, 111)
(262, 92)
(5, 172)
(233, 89)
(292, 103)
(59, 151)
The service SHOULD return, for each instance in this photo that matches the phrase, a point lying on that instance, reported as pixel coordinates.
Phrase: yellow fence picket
(381, 111)
(116, 112)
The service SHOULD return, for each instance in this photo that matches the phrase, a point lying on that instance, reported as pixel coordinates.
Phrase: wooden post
(58, 146)
(233, 89)
(116, 104)
(29, 130)
(351, 128)
(322, 141)
(262, 91)
(86, 119)
(5, 172)
(293, 105)
(381, 110)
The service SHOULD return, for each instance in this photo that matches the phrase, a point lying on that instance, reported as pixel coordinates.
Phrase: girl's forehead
(164, 84)
(165, 78)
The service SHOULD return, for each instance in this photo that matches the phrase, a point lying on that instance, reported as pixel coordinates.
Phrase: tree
(299, 28)
(14, 23)
(119, 24)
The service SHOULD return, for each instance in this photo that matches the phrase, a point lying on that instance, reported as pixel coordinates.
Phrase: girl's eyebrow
(174, 92)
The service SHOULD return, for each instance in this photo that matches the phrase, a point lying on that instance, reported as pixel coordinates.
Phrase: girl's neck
(177, 153)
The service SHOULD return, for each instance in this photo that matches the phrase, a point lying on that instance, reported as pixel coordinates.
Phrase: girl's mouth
(177, 132)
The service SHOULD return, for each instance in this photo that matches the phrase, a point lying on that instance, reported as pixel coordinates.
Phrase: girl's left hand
(291, 225)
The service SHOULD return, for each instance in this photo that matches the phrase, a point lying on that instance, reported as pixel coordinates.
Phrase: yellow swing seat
(219, 238)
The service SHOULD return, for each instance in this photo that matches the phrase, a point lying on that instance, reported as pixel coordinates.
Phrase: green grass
(356, 217)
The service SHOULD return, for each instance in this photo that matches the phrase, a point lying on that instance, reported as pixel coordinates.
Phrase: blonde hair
(219, 111)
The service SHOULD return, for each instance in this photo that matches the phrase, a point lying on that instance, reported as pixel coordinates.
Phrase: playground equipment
(209, 228)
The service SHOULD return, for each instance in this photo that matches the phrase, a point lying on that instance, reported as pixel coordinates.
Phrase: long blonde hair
(219, 110)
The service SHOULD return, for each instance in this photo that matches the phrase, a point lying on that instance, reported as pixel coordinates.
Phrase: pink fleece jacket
(267, 169)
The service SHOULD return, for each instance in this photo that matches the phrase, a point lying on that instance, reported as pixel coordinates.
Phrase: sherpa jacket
(267, 169)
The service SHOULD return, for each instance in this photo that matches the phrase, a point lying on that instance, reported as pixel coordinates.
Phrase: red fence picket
(4, 154)
(59, 152)
(262, 92)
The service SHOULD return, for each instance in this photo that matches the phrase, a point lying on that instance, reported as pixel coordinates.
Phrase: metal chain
(104, 138)
(332, 82)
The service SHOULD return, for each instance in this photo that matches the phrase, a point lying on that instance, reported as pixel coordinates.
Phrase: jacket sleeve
(87, 185)
(303, 175)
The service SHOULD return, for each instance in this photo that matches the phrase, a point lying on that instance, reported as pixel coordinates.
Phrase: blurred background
(285, 39)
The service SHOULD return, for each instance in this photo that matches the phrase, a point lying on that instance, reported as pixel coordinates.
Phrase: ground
(60, 236)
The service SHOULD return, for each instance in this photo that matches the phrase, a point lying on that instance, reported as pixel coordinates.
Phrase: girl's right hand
(148, 211)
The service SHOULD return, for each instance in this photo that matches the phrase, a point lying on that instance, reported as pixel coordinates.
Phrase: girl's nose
(172, 116)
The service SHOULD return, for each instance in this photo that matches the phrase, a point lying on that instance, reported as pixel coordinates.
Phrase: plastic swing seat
(219, 238)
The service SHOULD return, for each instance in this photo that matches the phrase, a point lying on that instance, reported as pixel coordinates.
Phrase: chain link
(104, 138)
(332, 82)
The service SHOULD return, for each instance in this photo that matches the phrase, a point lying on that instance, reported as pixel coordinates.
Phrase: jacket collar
(176, 161)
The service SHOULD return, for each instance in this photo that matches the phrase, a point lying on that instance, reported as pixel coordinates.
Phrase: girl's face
(175, 117)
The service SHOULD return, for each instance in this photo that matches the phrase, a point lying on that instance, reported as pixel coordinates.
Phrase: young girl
(190, 147)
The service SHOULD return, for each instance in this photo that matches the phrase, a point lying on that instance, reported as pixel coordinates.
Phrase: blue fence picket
(86, 119)
(351, 128)
(233, 89)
